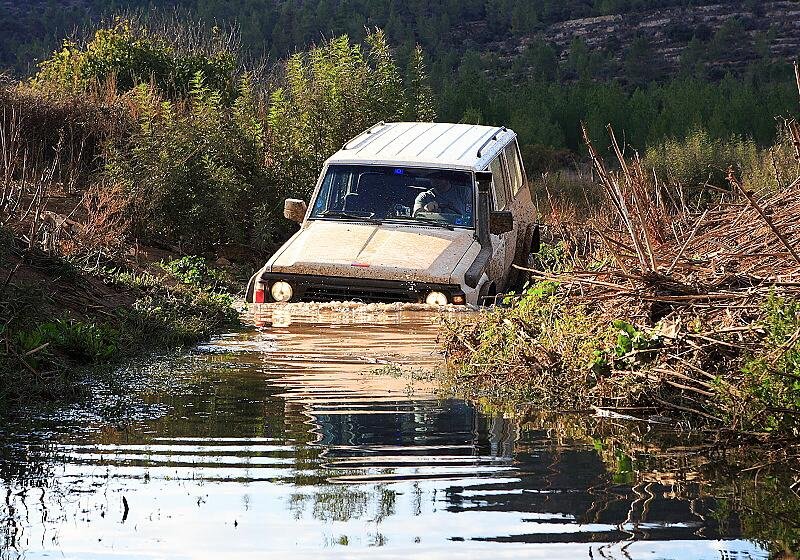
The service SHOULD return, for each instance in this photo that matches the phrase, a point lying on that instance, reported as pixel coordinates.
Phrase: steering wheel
(440, 209)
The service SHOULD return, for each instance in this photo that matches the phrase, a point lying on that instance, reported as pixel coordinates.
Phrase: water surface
(321, 435)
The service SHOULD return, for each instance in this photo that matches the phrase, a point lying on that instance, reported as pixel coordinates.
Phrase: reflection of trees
(575, 469)
(337, 502)
(733, 490)
(26, 470)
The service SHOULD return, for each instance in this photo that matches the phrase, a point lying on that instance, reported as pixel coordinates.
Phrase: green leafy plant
(195, 271)
(127, 52)
(632, 345)
(772, 378)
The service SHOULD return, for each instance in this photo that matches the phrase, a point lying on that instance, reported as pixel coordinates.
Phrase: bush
(699, 159)
(333, 92)
(195, 171)
(179, 316)
(772, 378)
(127, 53)
(194, 271)
(65, 133)
(540, 350)
(774, 168)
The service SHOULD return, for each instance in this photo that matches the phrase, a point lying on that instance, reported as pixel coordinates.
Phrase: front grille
(309, 287)
(366, 295)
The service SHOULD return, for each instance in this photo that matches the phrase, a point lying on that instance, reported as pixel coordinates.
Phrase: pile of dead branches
(697, 273)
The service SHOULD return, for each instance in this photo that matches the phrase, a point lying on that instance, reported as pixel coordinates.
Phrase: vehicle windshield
(385, 194)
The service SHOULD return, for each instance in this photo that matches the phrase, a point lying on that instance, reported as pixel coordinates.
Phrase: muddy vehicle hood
(377, 251)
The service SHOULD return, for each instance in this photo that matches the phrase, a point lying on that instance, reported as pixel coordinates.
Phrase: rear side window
(514, 167)
(499, 183)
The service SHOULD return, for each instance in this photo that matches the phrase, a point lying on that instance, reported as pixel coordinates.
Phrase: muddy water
(321, 435)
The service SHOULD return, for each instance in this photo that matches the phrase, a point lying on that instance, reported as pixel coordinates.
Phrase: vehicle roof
(454, 146)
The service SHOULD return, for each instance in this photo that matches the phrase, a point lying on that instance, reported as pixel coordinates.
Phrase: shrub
(179, 317)
(772, 378)
(699, 159)
(195, 171)
(331, 93)
(774, 168)
(540, 349)
(80, 341)
(194, 271)
(127, 53)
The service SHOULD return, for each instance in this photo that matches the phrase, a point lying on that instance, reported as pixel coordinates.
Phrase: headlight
(436, 298)
(281, 291)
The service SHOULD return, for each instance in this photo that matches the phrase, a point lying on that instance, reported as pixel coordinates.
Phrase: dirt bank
(60, 316)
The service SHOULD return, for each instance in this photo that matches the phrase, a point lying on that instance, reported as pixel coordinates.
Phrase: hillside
(616, 37)
(653, 68)
(723, 36)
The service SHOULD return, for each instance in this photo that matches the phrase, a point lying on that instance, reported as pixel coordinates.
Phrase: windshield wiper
(349, 216)
(428, 221)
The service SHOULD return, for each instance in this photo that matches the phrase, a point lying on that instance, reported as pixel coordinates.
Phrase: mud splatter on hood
(378, 251)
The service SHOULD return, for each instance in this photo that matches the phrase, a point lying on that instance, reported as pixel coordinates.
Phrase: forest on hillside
(446, 30)
(537, 67)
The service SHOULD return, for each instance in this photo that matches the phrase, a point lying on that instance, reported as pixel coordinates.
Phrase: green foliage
(80, 341)
(540, 349)
(772, 378)
(552, 258)
(180, 317)
(735, 114)
(195, 271)
(333, 92)
(420, 101)
(214, 167)
(699, 159)
(633, 345)
(38, 357)
(130, 54)
(774, 168)
(44, 348)
(194, 172)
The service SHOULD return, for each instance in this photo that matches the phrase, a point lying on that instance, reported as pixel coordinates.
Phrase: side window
(499, 183)
(514, 167)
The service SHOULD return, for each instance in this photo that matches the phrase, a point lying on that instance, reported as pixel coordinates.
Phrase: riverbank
(656, 305)
(61, 317)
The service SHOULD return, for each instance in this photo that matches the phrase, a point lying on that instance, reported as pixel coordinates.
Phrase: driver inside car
(443, 197)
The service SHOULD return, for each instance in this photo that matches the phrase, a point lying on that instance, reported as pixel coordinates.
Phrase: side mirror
(295, 210)
(500, 222)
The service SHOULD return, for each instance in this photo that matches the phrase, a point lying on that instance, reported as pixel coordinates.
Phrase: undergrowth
(770, 392)
(540, 349)
(46, 350)
(546, 350)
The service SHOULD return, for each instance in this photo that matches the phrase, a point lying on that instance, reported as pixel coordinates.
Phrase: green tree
(128, 54)
(420, 103)
(333, 92)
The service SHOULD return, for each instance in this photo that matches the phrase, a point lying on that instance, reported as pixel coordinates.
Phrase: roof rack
(491, 139)
(368, 131)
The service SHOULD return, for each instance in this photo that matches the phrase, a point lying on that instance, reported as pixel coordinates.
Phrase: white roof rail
(368, 131)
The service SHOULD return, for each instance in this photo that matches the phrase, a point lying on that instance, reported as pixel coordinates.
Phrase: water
(322, 435)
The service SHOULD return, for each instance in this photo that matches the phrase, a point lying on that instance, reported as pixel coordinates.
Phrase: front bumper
(311, 288)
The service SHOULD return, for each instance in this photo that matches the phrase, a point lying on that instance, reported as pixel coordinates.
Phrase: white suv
(412, 212)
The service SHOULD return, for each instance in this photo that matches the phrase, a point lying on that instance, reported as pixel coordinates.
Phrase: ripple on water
(283, 439)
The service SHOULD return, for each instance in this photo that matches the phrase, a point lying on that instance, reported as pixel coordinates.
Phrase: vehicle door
(504, 244)
(520, 204)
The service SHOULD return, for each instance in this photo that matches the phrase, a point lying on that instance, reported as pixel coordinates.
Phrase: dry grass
(685, 306)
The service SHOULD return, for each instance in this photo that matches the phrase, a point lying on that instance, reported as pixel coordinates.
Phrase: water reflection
(285, 441)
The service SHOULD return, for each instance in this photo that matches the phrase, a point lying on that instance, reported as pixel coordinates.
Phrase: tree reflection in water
(306, 450)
